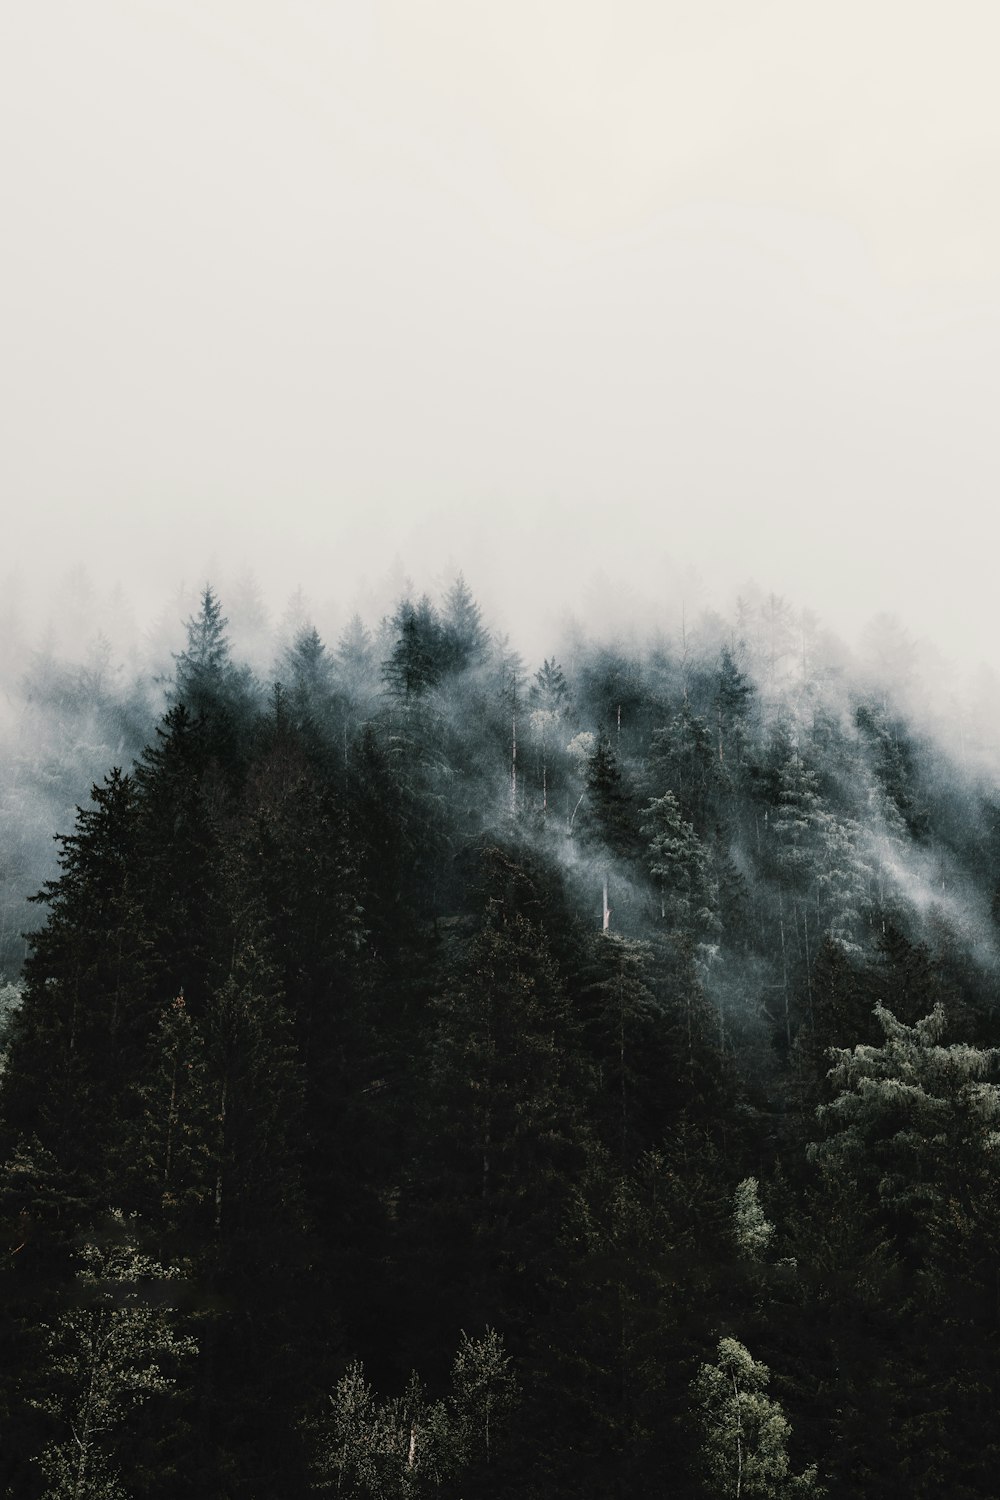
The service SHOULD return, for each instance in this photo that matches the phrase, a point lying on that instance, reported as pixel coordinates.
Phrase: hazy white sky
(534, 289)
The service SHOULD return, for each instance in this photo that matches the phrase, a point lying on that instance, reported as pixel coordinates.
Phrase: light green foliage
(920, 1113)
(485, 1390)
(10, 1001)
(745, 1433)
(843, 877)
(751, 1231)
(383, 1448)
(680, 862)
(819, 851)
(109, 1354)
(409, 1445)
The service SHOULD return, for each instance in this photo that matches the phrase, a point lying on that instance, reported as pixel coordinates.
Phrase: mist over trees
(430, 1070)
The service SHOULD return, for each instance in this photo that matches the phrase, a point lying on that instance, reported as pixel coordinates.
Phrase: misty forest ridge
(428, 1072)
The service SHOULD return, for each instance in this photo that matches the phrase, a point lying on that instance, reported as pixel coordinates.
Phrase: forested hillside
(432, 1072)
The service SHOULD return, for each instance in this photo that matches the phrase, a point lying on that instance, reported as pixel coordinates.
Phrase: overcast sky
(644, 288)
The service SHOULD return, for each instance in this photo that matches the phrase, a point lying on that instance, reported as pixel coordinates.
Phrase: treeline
(433, 1075)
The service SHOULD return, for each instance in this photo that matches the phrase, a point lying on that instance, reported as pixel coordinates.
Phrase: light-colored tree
(751, 1230)
(109, 1354)
(744, 1450)
(679, 861)
(919, 1120)
(408, 1445)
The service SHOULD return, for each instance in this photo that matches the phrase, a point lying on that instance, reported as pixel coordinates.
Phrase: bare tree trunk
(222, 1152)
(739, 1439)
(809, 986)
(513, 764)
(784, 970)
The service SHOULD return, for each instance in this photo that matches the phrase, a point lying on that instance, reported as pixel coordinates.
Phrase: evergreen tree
(184, 796)
(626, 1038)
(466, 638)
(310, 673)
(915, 1121)
(506, 1072)
(168, 1148)
(417, 659)
(204, 668)
(550, 690)
(680, 863)
(733, 699)
(681, 760)
(355, 658)
(86, 1011)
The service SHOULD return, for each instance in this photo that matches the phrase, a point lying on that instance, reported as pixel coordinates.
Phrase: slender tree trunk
(621, 1066)
(222, 1152)
(513, 764)
(784, 970)
(809, 987)
(739, 1440)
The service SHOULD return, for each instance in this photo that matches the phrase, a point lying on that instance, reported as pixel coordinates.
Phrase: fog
(650, 320)
(614, 307)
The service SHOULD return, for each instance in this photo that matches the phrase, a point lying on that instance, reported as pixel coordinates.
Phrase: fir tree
(467, 640)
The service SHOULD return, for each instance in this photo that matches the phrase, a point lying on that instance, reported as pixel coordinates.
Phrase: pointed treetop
(463, 624)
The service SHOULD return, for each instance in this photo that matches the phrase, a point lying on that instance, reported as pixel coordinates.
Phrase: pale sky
(538, 290)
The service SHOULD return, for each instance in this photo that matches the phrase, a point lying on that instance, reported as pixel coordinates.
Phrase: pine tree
(86, 1011)
(681, 759)
(506, 1072)
(168, 1156)
(205, 666)
(550, 690)
(416, 661)
(466, 638)
(309, 672)
(915, 1121)
(184, 798)
(733, 697)
(355, 657)
(625, 1036)
(680, 863)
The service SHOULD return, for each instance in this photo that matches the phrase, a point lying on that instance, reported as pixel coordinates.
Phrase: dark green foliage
(681, 761)
(609, 819)
(600, 1006)
(550, 689)
(733, 703)
(85, 1015)
(466, 638)
(893, 764)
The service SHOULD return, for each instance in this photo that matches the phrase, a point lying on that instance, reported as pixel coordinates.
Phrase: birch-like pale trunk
(513, 764)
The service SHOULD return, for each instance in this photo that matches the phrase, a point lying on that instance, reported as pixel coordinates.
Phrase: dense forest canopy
(428, 1070)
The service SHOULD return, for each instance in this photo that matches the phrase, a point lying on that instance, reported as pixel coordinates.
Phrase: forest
(429, 1072)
